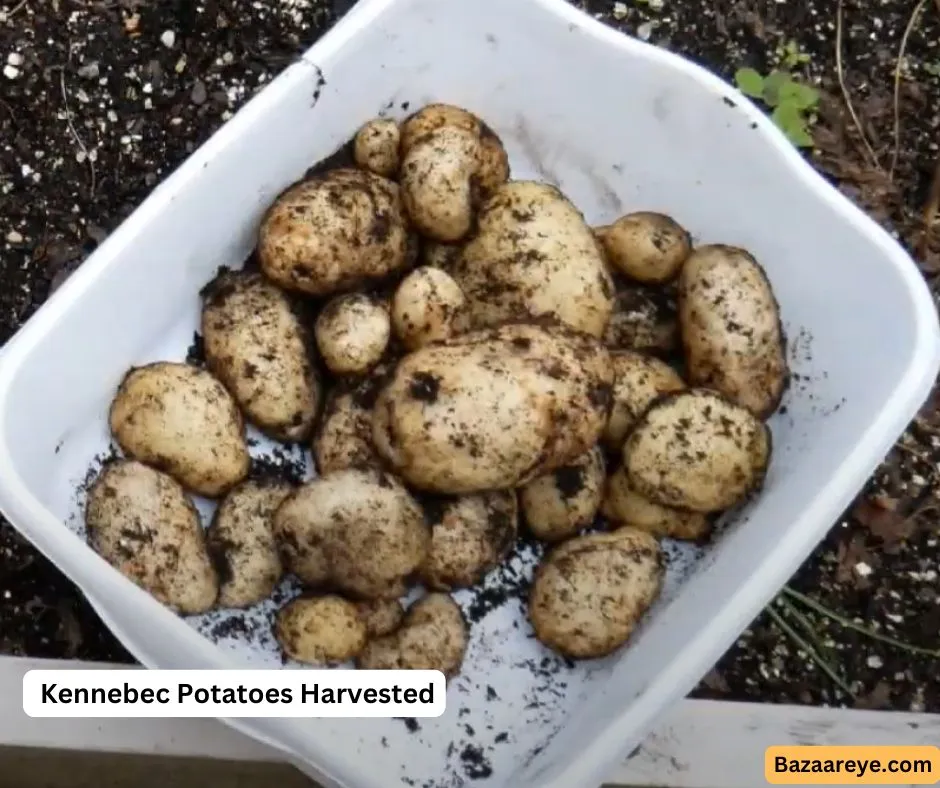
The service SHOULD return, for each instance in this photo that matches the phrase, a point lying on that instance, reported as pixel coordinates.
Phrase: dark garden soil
(101, 100)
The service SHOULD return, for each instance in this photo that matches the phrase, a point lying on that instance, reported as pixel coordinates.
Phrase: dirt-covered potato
(358, 529)
(730, 326)
(697, 450)
(352, 333)
(375, 147)
(256, 345)
(428, 305)
(381, 616)
(534, 255)
(325, 630)
(470, 535)
(241, 542)
(645, 246)
(561, 503)
(638, 380)
(493, 409)
(334, 232)
(623, 505)
(182, 420)
(589, 594)
(433, 636)
(343, 438)
(644, 319)
(143, 524)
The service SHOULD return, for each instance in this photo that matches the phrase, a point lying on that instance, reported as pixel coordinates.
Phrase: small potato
(731, 332)
(359, 529)
(470, 536)
(344, 436)
(625, 506)
(325, 630)
(433, 636)
(241, 542)
(375, 147)
(428, 305)
(638, 380)
(381, 616)
(647, 247)
(141, 522)
(697, 450)
(352, 333)
(644, 319)
(256, 345)
(561, 503)
(589, 594)
(335, 232)
(182, 420)
(434, 117)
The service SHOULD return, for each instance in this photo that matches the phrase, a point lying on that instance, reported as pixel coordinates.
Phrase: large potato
(638, 380)
(326, 630)
(731, 332)
(256, 345)
(182, 420)
(697, 450)
(357, 529)
(561, 503)
(141, 522)
(334, 232)
(533, 254)
(644, 319)
(645, 246)
(493, 409)
(589, 593)
(241, 542)
(470, 535)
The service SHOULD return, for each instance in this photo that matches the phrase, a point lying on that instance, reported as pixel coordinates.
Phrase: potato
(434, 117)
(241, 542)
(375, 147)
(256, 345)
(357, 529)
(623, 505)
(381, 616)
(182, 420)
(433, 636)
(647, 247)
(534, 255)
(141, 522)
(589, 594)
(344, 436)
(561, 503)
(428, 305)
(324, 630)
(730, 325)
(439, 255)
(638, 380)
(697, 450)
(470, 535)
(352, 333)
(644, 319)
(333, 232)
(493, 409)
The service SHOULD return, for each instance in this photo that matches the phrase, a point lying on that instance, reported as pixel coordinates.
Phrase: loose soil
(101, 100)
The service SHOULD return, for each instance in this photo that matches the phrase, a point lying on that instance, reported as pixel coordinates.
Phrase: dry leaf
(716, 682)
(879, 698)
(850, 555)
(880, 516)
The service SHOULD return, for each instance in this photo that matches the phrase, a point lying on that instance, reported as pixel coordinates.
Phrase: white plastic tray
(618, 125)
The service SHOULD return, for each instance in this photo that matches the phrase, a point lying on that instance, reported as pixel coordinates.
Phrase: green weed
(792, 103)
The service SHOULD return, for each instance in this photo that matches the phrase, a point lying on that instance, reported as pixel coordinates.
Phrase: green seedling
(933, 68)
(790, 55)
(792, 103)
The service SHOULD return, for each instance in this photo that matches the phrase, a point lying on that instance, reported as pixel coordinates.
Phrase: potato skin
(343, 438)
(335, 232)
(493, 409)
(352, 333)
(375, 147)
(381, 616)
(561, 503)
(324, 630)
(470, 536)
(256, 345)
(645, 246)
(428, 306)
(143, 524)
(589, 593)
(644, 319)
(533, 254)
(182, 420)
(730, 325)
(697, 450)
(241, 542)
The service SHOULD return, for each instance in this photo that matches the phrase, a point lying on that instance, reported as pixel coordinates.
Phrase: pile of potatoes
(469, 362)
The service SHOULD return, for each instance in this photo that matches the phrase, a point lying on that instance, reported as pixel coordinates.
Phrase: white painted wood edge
(699, 744)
